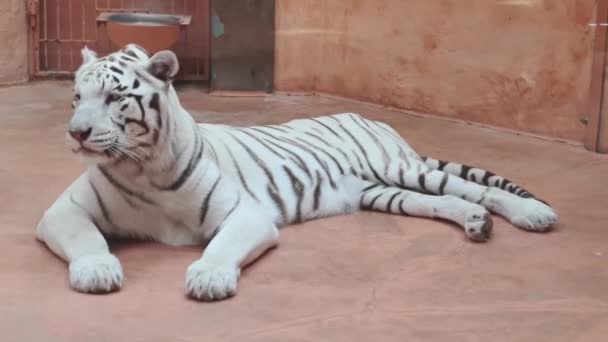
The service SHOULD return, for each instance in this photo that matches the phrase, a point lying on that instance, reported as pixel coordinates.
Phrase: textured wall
(13, 35)
(519, 64)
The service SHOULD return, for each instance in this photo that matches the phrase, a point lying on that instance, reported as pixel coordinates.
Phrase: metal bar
(196, 57)
(122, 10)
(35, 38)
(598, 73)
(46, 34)
(58, 39)
(55, 40)
(71, 47)
(84, 35)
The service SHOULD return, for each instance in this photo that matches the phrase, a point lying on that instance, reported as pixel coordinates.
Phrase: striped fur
(156, 174)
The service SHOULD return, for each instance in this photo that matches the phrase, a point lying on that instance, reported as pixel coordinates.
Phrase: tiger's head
(119, 104)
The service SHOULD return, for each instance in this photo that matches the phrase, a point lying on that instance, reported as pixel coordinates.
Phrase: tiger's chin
(92, 157)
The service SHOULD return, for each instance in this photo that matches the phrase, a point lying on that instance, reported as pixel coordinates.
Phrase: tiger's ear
(163, 65)
(88, 56)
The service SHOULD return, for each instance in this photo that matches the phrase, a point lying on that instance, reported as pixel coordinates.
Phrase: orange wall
(13, 35)
(519, 64)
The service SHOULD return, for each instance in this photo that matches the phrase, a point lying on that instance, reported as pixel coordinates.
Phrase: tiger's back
(306, 168)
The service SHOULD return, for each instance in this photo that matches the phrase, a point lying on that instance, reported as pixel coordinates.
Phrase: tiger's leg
(475, 219)
(69, 232)
(526, 213)
(241, 240)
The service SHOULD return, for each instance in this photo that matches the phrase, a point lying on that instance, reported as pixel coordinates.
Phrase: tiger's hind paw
(534, 216)
(478, 226)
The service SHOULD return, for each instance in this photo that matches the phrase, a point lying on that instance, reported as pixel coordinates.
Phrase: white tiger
(153, 173)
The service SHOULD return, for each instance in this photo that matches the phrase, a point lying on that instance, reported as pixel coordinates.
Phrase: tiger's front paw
(96, 273)
(208, 283)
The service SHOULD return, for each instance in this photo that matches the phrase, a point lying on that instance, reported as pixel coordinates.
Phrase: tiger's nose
(81, 136)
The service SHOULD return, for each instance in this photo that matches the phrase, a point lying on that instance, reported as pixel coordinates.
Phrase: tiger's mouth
(90, 152)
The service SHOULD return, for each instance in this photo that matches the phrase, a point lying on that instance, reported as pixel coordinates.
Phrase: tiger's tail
(479, 176)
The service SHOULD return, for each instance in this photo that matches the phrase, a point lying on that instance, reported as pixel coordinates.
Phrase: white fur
(138, 196)
(96, 273)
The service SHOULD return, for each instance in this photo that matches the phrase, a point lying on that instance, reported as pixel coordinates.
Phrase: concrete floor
(354, 278)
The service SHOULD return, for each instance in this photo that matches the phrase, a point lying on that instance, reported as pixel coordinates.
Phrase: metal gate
(60, 28)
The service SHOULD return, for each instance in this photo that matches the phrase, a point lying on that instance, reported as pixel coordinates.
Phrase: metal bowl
(154, 32)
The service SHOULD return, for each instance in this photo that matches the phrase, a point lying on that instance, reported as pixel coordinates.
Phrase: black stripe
(155, 104)
(504, 183)
(332, 183)
(240, 173)
(102, 206)
(374, 138)
(486, 178)
(444, 181)
(130, 53)
(317, 193)
(298, 189)
(364, 121)
(389, 130)
(122, 188)
(464, 172)
(329, 145)
(126, 58)
(373, 186)
(155, 136)
(120, 88)
(205, 205)
(124, 106)
(362, 151)
(371, 204)
(122, 64)
(298, 160)
(116, 80)
(261, 142)
(325, 152)
(442, 165)
(136, 84)
(328, 128)
(138, 98)
(390, 202)
(116, 70)
(483, 196)
(219, 226)
(421, 181)
(272, 186)
(401, 177)
(141, 49)
(276, 128)
(273, 191)
(197, 153)
(401, 210)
